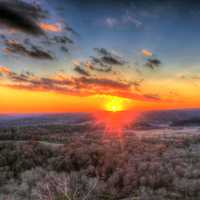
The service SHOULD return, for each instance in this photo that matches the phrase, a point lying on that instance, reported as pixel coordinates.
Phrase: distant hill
(147, 120)
(43, 119)
(187, 122)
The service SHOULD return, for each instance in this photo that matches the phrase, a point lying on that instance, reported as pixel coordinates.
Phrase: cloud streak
(126, 19)
(69, 85)
(109, 58)
(81, 71)
(15, 47)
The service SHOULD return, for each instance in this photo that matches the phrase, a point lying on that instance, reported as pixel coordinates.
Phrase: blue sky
(170, 30)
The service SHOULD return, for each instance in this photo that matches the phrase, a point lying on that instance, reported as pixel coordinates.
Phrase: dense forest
(99, 167)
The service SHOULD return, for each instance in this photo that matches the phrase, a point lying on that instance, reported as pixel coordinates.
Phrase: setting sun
(115, 105)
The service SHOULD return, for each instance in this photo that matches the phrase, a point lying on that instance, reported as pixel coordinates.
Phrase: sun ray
(116, 115)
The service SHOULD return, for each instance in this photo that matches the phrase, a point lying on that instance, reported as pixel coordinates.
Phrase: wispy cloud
(153, 63)
(111, 22)
(15, 47)
(152, 96)
(81, 71)
(124, 20)
(108, 57)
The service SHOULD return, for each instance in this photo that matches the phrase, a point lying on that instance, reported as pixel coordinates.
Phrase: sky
(74, 56)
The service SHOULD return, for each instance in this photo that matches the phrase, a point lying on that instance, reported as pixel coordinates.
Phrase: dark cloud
(94, 65)
(152, 96)
(64, 49)
(81, 71)
(98, 65)
(31, 18)
(153, 63)
(18, 15)
(103, 61)
(13, 46)
(48, 83)
(109, 58)
(63, 40)
(112, 60)
(137, 84)
(101, 69)
(19, 77)
(102, 51)
(105, 83)
(71, 30)
(98, 61)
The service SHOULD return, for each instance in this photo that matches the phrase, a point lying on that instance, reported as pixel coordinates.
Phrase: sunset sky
(78, 55)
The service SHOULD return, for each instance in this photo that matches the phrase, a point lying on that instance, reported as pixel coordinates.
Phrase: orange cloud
(57, 27)
(66, 90)
(75, 86)
(147, 53)
(5, 70)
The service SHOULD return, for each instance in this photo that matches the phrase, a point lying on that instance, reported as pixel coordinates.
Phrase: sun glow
(115, 105)
(116, 115)
(115, 123)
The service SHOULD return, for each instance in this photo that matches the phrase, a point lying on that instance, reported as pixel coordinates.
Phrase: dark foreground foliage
(95, 167)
